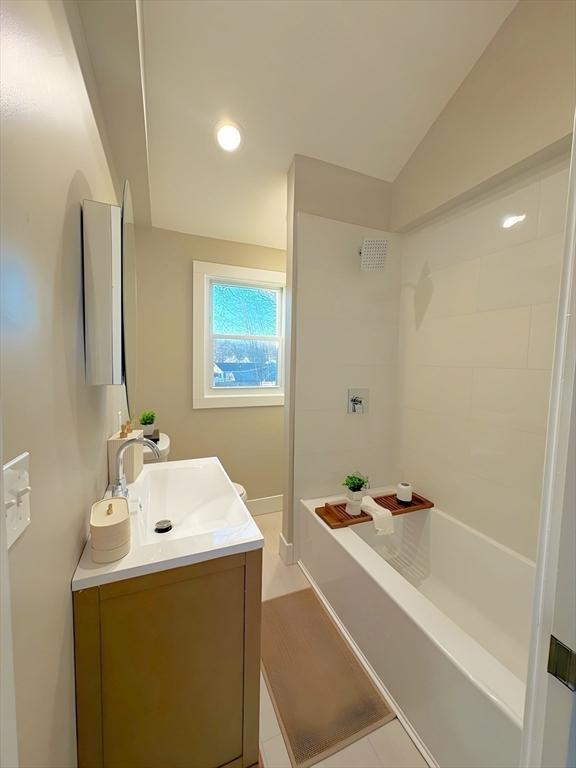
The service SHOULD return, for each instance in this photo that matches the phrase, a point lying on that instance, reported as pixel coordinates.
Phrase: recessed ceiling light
(228, 137)
(510, 221)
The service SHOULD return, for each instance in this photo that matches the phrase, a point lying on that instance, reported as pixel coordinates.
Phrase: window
(238, 354)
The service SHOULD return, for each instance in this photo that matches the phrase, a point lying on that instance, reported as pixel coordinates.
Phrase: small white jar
(404, 492)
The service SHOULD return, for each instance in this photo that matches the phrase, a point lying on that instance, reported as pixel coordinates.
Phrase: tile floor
(388, 747)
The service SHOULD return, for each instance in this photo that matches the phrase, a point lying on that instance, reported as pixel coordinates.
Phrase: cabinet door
(172, 647)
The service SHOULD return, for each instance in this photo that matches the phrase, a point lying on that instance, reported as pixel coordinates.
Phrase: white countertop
(236, 530)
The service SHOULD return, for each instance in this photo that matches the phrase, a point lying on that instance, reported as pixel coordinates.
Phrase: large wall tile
(333, 245)
(472, 231)
(325, 343)
(516, 398)
(505, 455)
(553, 197)
(477, 322)
(330, 430)
(522, 275)
(498, 339)
(435, 443)
(451, 291)
(315, 390)
(456, 350)
(321, 474)
(437, 389)
(506, 513)
(408, 330)
(347, 336)
(542, 330)
(339, 296)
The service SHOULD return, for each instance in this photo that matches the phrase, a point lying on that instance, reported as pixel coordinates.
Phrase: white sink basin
(196, 496)
(208, 520)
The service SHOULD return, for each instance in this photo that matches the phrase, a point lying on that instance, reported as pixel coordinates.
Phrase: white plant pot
(148, 429)
(353, 505)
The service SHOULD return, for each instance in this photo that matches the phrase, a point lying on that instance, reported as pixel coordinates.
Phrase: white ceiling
(352, 82)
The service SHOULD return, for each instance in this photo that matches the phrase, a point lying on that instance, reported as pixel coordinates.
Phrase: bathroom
(271, 148)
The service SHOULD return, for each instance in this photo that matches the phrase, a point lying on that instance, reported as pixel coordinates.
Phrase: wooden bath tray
(335, 515)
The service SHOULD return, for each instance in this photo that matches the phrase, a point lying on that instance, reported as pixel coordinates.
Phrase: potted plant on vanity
(147, 422)
(355, 487)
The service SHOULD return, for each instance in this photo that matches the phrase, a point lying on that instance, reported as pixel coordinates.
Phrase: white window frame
(205, 395)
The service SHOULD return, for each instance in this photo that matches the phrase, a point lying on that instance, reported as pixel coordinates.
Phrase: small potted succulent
(147, 422)
(355, 485)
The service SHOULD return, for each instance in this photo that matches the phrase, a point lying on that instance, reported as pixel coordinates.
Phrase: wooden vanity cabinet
(168, 667)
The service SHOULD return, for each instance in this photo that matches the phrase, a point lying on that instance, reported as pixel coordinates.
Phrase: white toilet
(164, 448)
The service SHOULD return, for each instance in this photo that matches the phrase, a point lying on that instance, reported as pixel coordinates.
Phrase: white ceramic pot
(148, 429)
(354, 502)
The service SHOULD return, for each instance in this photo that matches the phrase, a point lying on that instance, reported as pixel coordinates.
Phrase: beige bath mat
(323, 698)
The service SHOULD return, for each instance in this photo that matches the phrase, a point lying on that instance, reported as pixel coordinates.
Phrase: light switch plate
(17, 496)
(358, 401)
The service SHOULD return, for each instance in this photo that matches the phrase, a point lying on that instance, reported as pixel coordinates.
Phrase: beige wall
(476, 341)
(333, 192)
(248, 441)
(52, 158)
(518, 100)
(106, 36)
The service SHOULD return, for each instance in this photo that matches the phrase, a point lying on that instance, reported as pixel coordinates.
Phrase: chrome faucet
(119, 488)
(357, 404)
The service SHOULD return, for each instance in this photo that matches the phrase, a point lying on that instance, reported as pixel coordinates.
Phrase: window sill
(237, 401)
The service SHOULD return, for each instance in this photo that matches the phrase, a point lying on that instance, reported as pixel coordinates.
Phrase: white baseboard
(286, 551)
(265, 505)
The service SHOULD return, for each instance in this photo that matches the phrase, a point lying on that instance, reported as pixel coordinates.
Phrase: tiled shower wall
(347, 336)
(478, 305)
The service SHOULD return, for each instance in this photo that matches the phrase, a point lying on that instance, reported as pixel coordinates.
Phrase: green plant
(147, 418)
(355, 483)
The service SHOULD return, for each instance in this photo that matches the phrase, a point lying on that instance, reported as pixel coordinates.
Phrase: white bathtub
(441, 613)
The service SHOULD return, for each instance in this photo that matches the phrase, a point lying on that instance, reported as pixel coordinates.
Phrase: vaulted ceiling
(356, 83)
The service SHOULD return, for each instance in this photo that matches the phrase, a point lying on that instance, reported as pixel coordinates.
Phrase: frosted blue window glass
(244, 310)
